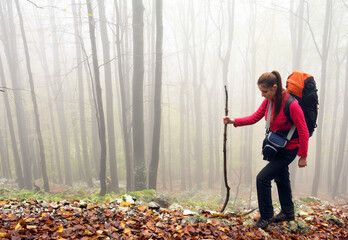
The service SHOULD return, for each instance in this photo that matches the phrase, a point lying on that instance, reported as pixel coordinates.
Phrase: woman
(270, 85)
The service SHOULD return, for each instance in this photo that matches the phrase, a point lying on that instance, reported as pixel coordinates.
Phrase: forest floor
(83, 214)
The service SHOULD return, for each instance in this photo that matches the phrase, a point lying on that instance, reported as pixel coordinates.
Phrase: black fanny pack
(273, 141)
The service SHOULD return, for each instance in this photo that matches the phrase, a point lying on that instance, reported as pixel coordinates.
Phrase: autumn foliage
(33, 219)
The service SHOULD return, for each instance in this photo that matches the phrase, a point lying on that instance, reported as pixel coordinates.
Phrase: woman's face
(268, 93)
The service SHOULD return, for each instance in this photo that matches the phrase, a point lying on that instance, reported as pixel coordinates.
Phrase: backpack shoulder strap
(269, 113)
(287, 104)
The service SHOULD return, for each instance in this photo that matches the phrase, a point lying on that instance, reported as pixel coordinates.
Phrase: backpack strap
(287, 108)
(291, 132)
(287, 104)
(268, 121)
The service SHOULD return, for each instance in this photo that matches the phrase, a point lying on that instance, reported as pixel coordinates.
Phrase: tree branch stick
(225, 167)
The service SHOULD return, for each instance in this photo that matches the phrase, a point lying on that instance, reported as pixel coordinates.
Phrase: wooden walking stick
(225, 168)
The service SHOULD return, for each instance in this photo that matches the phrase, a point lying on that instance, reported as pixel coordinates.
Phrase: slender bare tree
(138, 108)
(124, 102)
(99, 101)
(324, 58)
(33, 97)
(11, 52)
(59, 101)
(153, 169)
(18, 166)
(113, 186)
(343, 137)
(81, 87)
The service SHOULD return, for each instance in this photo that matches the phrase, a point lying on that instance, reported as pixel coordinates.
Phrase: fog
(92, 77)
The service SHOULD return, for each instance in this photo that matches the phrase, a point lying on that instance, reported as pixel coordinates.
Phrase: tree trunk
(5, 164)
(197, 88)
(334, 124)
(185, 163)
(163, 163)
(12, 58)
(99, 102)
(183, 158)
(96, 149)
(33, 96)
(296, 32)
(252, 69)
(343, 136)
(170, 171)
(158, 98)
(109, 100)
(124, 105)
(17, 161)
(138, 80)
(86, 158)
(151, 72)
(59, 102)
(324, 58)
(82, 176)
(211, 171)
(48, 94)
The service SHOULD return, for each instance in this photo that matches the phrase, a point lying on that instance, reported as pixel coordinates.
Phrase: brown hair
(267, 80)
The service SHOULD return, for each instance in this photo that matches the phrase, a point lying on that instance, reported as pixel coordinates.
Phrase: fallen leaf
(60, 228)
(21, 224)
(4, 235)
(127, 230)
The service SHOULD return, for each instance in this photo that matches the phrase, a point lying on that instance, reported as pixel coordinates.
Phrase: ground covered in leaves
(124, 218)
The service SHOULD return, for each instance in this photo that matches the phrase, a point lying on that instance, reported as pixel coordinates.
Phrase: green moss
(330, 218)
(297, 226)
(145, 194)
(310, 200)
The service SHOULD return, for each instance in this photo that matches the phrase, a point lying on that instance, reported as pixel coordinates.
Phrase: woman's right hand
(228, 120)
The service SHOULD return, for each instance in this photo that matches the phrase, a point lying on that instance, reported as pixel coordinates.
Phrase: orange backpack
(302, 86)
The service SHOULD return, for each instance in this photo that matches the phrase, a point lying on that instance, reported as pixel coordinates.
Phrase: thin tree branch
(43, 7)
(225, 160)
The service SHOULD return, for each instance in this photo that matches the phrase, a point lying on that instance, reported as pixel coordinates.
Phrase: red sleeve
(254, 118)
(297, 117)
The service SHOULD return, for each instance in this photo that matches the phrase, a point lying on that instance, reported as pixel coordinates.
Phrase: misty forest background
(129, 95)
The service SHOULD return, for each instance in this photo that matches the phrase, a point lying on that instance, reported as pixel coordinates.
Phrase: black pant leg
(276, 168)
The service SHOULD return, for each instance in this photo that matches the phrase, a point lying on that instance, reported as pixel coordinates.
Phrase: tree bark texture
(153, 169)
(113, 186)
(99, 102)
(138, 108)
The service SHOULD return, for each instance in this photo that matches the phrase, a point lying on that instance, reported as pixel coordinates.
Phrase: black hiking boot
(263, 223)
(282, 216)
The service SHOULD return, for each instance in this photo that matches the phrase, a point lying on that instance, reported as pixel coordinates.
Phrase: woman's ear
(275, 87)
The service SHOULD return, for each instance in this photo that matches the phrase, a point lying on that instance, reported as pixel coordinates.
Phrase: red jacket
(278, 124)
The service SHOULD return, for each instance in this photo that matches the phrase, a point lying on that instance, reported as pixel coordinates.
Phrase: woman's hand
(228, 120)
(302, 162)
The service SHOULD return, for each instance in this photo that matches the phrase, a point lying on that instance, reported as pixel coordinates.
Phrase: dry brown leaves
(32, 219)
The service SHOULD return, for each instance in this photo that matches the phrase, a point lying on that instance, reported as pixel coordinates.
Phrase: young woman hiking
(270, 85)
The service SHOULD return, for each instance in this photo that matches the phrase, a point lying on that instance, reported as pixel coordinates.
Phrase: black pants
(277, 169)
